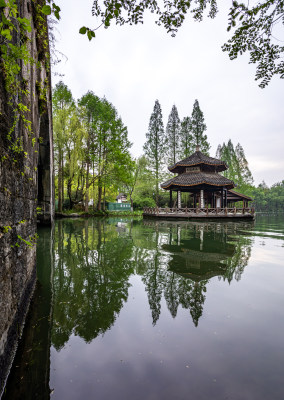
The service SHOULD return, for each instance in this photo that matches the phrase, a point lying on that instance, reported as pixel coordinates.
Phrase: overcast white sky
(135, 65)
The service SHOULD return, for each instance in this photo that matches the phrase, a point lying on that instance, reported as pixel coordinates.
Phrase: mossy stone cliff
(26, 174)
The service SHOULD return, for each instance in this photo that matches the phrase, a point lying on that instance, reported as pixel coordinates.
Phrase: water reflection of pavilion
(200, 257)
(195, 253)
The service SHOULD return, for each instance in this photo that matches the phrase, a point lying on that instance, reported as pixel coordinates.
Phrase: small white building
(121, 198)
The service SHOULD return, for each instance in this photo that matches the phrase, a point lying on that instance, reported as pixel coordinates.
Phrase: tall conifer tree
(244, 172)
(235, 158)
(154, 147)
(172, 136)
(198, 127)
(186, 139)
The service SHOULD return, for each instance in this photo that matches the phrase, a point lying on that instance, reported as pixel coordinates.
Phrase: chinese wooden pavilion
(211, 193)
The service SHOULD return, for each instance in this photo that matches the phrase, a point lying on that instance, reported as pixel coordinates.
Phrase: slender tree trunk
(93, 185)
(78, 185)
(87, 174)
(62, 181)
(69, 190)
(59, 183)
(156, 169)
(104, 203)
(157, 184)
(87, 188)
(174, 148)
(99, 193)
(99, 179)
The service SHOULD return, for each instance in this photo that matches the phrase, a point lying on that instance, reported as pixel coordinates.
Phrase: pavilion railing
(198, 211)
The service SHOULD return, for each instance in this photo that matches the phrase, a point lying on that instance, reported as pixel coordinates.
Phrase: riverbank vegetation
(93, 162)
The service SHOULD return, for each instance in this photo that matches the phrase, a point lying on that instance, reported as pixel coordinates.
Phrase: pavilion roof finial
(197, 147)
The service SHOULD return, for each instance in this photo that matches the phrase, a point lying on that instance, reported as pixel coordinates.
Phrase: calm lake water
(133, 309)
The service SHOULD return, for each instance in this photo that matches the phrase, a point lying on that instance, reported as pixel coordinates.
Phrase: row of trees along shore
(93, 161)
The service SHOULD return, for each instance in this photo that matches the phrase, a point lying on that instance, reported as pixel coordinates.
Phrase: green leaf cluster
(51, 9)
(255, 32)
(90, 33)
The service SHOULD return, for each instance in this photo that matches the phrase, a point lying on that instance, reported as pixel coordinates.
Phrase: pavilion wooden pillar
(179, 199)
(226, 198)
(201, 199)
(222, 197)
(171, 199)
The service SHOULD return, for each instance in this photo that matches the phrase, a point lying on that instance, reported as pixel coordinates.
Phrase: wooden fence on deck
(226, 212)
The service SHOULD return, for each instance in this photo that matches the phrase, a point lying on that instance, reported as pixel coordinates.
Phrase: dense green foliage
(92, 156)
(268, 199)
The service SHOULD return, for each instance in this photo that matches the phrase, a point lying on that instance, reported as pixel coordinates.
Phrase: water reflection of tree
(185, 257)
(237, 263)
(190, 295)
(153, 278)
(90, 283)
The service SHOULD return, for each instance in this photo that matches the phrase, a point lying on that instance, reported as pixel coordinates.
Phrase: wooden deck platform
(197, 213)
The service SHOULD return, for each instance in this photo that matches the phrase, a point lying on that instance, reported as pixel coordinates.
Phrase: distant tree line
(268, 199)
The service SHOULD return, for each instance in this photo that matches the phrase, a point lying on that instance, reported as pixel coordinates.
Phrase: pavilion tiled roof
(198, 178)
(198, 158)
(237, 194)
